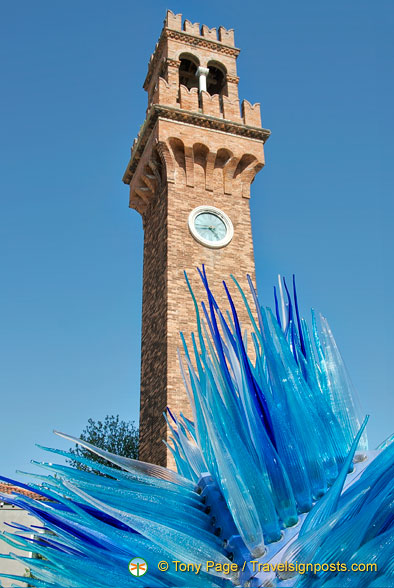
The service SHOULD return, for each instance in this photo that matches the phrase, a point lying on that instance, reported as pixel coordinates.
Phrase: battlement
(221, 35)
(211, 105)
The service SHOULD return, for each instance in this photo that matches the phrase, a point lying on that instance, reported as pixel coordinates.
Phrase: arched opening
(216, 80)
(187, 71)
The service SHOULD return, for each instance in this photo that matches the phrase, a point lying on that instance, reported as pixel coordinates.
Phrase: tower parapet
(174, 22)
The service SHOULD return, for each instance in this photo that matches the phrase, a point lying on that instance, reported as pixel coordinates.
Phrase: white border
(212, 244)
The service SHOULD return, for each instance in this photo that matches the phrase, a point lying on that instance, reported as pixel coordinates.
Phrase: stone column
(202, 73)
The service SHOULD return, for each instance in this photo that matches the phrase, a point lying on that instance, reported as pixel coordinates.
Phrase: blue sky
(71, 251)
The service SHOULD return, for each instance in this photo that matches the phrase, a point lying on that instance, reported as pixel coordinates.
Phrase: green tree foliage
(112, 434)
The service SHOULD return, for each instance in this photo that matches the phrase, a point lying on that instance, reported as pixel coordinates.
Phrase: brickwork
(192, 150)
(154, 368)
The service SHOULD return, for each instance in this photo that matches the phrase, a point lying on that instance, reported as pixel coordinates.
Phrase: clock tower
(190, 172)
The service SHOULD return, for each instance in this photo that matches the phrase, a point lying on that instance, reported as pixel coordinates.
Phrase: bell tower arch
(189, 174)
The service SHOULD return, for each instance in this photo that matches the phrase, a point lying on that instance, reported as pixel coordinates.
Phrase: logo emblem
(138, 566)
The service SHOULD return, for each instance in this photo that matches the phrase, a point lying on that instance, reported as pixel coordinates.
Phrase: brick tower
(190, 172)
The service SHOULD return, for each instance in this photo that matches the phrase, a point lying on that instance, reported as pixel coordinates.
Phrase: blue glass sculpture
(273, 473)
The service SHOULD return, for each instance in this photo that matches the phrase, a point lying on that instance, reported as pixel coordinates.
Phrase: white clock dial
(210, 226)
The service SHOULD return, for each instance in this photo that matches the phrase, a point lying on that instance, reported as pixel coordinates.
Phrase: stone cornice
(158, 111)
(188, 39)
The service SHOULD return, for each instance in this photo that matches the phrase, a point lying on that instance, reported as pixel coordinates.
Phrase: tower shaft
(189, 174)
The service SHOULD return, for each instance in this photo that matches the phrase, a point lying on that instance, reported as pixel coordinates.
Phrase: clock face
(210, 226)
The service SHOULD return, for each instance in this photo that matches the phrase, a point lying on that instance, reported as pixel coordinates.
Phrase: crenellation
(173, 21)
(221, 35)
(231, 109)
(251, 113)
(211, 104)
(165, 93)
(188, 99)
(193, 28)
(209, 33)
(226, 36)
